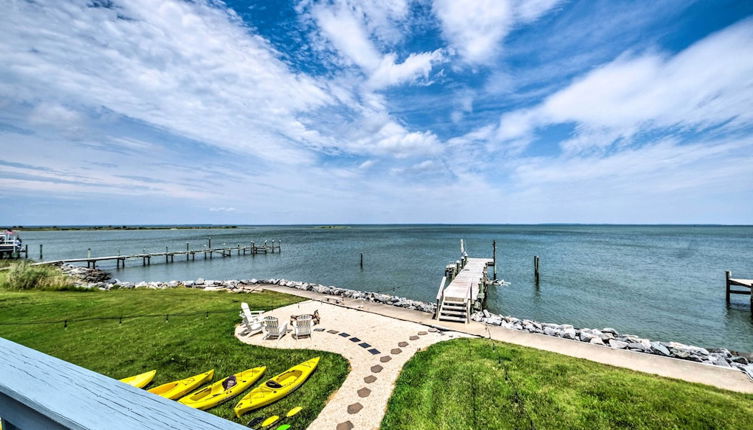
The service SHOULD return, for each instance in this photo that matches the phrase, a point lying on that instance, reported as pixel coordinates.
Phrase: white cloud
(188, 67)
(477, 28)
(708, 84)
(222, 209)
(349, 28)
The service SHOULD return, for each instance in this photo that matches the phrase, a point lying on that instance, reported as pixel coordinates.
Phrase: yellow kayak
(140, 381)
(276, 388)
(213, 395)
(175, 389)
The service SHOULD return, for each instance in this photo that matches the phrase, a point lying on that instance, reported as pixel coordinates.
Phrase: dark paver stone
(347, 425)
(422, 333)
(402, 344)
(344, 335)
(385, 359)
(318, 329)
(433, 330)
(374, 351)
(355, 408)
(355, 339)
(413, 338)
(332, 331)
(376, 368)
(369, 379)
(364, 345)
(364, 392)
(396, 351)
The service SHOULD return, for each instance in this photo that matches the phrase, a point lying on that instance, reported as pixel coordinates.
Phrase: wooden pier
(169, 256)
(739, 282)
(467, 289)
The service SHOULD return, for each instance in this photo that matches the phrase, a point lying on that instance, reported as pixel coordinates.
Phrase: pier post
(89, 253)
(210, 243)
(166, 256)
(40, 252)
(362, 261)
(536, 268)
(187, 256)
(253, 248)
(727, 275)
(494, 258)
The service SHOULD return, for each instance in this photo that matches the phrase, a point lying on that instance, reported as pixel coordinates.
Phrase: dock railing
(440, 296)
(38, 391)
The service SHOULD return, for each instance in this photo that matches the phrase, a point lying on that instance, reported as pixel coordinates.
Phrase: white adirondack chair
(252, 320)
(302, 326)
(273, 329)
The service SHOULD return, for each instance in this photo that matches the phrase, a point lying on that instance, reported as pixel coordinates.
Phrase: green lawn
(178, 348)
(480, 384)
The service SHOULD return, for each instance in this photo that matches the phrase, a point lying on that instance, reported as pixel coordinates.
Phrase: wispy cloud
(476, 28)
(708, 84)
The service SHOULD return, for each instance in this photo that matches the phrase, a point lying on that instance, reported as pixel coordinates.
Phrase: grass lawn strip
(482, 384)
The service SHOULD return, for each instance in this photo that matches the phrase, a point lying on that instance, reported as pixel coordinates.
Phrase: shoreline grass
(483, 384)
(178, 347)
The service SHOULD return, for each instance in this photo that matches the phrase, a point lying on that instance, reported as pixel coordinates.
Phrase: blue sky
(397, 111)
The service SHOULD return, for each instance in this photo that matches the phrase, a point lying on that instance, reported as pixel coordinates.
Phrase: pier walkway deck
(146, 257)
(466, 283)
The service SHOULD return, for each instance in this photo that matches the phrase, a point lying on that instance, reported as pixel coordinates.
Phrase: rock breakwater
(606, 337)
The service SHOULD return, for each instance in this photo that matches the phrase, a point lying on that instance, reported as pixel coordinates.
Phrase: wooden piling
(40, 252)
(362, 260)
(536, 268)
(494, 257)
(727, 275)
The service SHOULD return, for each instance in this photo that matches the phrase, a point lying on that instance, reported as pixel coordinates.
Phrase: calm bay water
(661, 282)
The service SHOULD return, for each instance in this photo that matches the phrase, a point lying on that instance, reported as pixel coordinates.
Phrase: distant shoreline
(122, 227)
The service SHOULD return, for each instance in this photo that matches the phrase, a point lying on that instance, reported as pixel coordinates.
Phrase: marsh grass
(24, 276)
(177, 346)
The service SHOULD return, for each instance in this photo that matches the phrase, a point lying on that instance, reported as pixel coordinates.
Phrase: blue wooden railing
(38, 391)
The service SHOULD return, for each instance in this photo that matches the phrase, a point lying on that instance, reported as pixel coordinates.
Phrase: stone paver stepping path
(318, 329)
(413, 338)
(402, 344)
(433, 330)
(422, 333)
(353, 406)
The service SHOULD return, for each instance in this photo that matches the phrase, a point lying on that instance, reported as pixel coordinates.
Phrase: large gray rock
(660, 349)
(596, 341)
(569, 333)
(617, 344)
(549, 331)
(586, 336)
